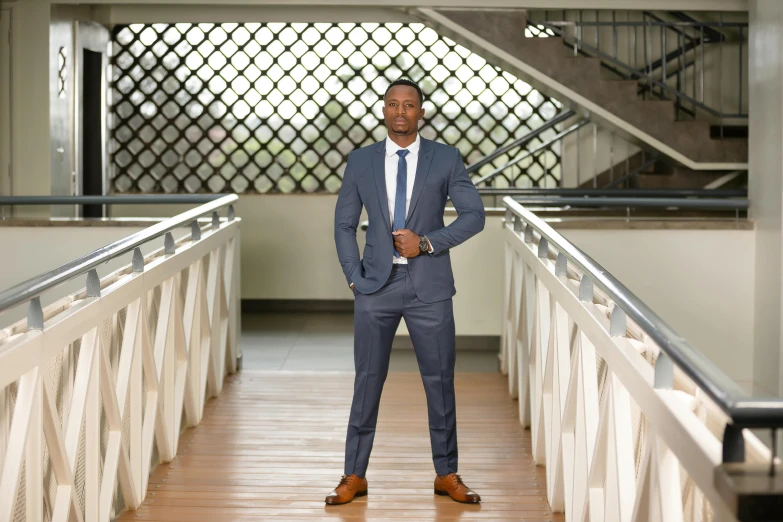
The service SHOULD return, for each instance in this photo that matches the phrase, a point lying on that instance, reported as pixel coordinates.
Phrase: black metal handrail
(627, 193)
(649, 202)
(744, 411)
(34, 287)
(524, 140)
(640, 23)
(531, 152)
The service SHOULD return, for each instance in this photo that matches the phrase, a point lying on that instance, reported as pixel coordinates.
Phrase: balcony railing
(631, 422)
(95, 389)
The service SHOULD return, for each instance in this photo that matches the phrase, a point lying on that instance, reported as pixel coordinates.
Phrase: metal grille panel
(258, 108)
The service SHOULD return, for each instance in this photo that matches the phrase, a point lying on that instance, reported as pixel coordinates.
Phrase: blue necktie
(401, 197)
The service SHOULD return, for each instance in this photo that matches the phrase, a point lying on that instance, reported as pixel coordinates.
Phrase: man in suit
(405, 271)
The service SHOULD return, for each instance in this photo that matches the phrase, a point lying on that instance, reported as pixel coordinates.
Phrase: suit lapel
(379, 171)
(422, 169)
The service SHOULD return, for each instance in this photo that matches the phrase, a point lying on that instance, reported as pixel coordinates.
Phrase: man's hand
(406, 243)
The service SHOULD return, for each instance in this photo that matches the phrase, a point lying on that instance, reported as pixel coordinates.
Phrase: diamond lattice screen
(258, 108)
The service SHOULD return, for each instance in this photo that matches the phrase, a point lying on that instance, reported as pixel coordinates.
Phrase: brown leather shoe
(453, 486)
(350, 486)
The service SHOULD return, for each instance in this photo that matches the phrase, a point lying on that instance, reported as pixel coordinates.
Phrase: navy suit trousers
(431, 327)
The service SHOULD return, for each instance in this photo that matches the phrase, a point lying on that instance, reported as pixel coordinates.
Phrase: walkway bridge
(126, 401)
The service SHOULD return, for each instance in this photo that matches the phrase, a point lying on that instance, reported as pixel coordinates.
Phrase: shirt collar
(392, 148)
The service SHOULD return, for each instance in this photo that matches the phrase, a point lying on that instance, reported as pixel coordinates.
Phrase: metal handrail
(34, 287)
(710, 34)
(640, 23)
(599, 201)
(628, 193)
(563, 116)
(573, 128)
(744, 411)
(127, 199)
(635, 172)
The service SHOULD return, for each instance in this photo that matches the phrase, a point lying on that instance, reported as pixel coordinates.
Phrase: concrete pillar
(30, 103)
(766, 190)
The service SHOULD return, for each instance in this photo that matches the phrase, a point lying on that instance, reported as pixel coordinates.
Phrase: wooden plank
(271, 447)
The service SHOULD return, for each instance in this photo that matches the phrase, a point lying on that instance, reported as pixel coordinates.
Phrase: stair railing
(673, 60)
(527, 153)
(566, 152)
(524, 140)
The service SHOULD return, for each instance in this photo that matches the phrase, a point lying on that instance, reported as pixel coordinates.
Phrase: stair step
(640, 113)
(571, 72)
(589, 68)
(624, 89)
(553, 44)
(652, 110)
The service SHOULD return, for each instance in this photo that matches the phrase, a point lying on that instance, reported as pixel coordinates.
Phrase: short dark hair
(407, 83)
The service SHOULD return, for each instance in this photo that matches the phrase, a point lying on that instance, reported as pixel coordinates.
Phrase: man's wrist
(429, 249)
(429, 244)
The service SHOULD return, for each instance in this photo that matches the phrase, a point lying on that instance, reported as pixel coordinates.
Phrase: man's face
(402, 110)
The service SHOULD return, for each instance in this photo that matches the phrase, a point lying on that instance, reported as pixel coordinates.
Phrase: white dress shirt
(391, 162)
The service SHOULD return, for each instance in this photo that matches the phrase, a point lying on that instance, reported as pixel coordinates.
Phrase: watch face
(423, 245)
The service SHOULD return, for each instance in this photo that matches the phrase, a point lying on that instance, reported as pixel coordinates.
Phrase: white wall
(590, 151)
(30, 133)
(766, 184)
(5, 101)
(31, 251)
(698, 281)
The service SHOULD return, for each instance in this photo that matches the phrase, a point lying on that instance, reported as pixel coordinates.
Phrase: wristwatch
(424, 245)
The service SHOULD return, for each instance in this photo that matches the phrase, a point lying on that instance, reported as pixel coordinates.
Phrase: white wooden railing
(624, 432)
(96, 388)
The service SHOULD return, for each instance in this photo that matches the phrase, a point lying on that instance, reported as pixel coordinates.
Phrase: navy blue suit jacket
(440, 174)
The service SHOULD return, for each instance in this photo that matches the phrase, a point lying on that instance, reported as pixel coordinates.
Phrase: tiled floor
(324, 341)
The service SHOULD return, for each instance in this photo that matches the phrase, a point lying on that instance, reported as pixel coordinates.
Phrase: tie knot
(402, 152)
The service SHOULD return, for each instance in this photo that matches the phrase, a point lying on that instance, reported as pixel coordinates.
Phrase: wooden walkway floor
(271, 448)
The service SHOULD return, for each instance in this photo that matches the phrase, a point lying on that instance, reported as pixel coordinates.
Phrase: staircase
(579, 82)
(641, 171)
